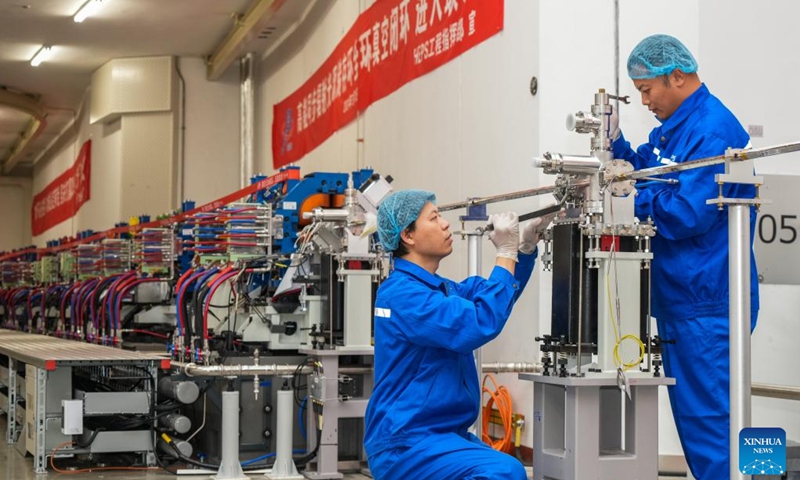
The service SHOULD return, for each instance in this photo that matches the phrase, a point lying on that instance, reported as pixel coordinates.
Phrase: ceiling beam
(245, 30)
(23, 103)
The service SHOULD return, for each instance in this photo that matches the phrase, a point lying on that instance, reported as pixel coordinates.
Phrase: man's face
(431, 235)
(658, 97)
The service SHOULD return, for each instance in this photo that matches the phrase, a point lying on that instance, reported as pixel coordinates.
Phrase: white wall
(211, 156)
(470, 127)
(15, 197)
(211, 153)
(764, 97)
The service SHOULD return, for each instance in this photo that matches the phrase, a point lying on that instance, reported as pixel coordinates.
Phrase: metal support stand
(739, 272)
(11, 427)
(582, 428)
(474, 269)
(39, 419)
(150, 455)
(229, 467)
(739, 287)
(284, 467)
(324, 394)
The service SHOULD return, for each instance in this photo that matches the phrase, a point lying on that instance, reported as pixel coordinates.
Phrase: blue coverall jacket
(426, 382)
(690, 268)
(690, 294)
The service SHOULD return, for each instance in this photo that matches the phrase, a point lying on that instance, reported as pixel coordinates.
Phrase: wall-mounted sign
(777, 232)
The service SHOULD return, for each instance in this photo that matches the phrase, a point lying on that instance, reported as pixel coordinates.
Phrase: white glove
(505, 235)
(613, 125)
(531, 231)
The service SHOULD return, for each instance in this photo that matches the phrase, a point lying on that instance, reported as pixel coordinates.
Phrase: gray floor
(15, 467)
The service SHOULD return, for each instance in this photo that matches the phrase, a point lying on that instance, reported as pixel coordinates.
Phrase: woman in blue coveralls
(690, 265)
(426, 393)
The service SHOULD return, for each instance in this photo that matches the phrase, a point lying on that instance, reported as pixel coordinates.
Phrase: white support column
(284, 467)
(229, 467)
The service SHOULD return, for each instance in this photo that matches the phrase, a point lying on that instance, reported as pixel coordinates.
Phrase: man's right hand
(505, 234)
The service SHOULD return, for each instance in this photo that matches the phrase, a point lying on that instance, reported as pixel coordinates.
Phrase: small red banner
(63, 197)
(390, 44)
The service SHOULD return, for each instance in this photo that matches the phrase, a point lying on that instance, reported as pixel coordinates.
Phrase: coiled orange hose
(500, 398)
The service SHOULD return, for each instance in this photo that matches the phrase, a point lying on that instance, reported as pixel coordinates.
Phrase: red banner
(269, 182)
(63, 197)
(390, 44)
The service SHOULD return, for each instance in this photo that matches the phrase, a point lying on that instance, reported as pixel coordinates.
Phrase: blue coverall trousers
(446, 457)
(700, 399)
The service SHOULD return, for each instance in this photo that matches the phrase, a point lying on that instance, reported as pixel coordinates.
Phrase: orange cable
(501, 398)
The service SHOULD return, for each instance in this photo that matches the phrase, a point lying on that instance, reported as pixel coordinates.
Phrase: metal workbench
(48, 363)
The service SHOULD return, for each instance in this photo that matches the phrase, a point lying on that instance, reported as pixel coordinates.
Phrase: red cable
(215, 282)
(147, 332)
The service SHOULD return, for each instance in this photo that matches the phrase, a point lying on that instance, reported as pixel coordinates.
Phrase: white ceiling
(121, 28)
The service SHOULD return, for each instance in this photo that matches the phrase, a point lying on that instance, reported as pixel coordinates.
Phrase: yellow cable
(617, 360)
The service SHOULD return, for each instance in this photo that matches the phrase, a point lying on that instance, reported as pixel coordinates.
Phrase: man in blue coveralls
(426, 393)
(690, 265)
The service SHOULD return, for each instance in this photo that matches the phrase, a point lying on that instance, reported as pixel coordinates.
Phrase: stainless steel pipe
(704, 162)
(512, 367)
(194, 370)
(499, 198)
(775, 391)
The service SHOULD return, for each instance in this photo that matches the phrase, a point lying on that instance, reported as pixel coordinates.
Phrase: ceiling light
(42, 55)
(87, 10)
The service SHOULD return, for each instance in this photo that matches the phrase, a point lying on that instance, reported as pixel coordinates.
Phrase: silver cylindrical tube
(247, 119)
(181, 390)
(194, 370)
(775, 391)
(183, 446)
(474, 269)
(498, 198)
(474, 254)
(554, 163)
(739, 272)
(327, 215)
(511, 367)
(582, 122)
(176, 422)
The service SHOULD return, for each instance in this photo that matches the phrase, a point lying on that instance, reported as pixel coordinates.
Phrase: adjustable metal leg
(39, 419)
(11, 428)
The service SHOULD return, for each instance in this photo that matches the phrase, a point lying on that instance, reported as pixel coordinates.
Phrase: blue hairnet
(397, 212)
(659, 55)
